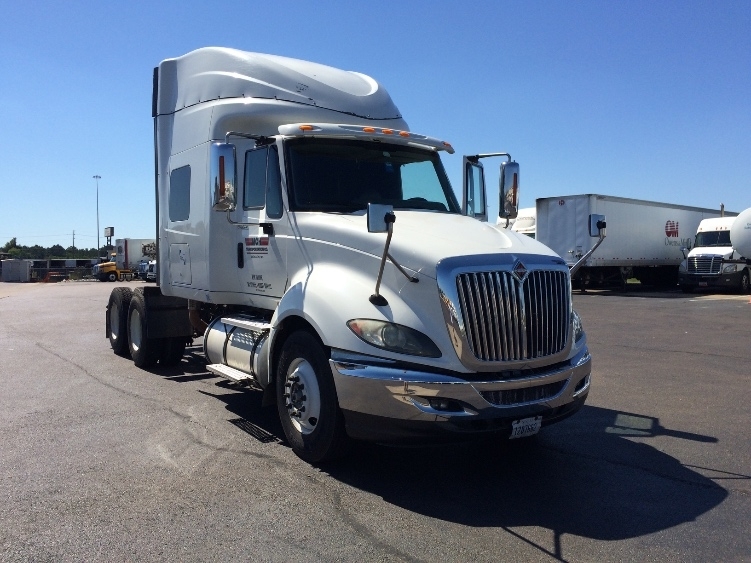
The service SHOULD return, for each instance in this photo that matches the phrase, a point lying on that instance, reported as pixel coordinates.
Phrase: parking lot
(101, 461)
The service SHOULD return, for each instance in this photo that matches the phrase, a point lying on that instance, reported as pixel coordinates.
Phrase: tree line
(56, 251)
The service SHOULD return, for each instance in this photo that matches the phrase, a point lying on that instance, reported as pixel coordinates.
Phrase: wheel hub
(302, 397)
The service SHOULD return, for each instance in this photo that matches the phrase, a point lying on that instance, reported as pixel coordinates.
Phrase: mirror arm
(377, 298)
(268, 228)
(583, 259)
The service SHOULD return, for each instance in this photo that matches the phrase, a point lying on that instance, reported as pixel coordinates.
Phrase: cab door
(261, 246)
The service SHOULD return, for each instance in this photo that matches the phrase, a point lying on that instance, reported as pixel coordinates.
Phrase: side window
(263, 183)
(179, 194)
(255, 178)
(273, 186)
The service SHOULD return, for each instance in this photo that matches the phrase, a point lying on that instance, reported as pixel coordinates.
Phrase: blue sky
(650, 100)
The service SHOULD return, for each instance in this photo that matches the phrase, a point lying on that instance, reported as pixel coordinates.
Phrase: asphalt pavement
(102, 461)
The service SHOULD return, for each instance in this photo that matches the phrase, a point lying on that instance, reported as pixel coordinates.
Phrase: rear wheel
(117, 319)
(744, 285)
(307, 402)
(144, 350)
(172, 351)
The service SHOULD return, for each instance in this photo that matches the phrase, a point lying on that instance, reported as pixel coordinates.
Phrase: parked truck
(124, 262)
(644, 237)
(313, 244)
(714, 262)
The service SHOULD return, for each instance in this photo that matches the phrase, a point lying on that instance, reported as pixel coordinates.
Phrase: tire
(171, 351)
(117, 319)
(306, 401)
(744, 285)
(112, 276)
(144, 350)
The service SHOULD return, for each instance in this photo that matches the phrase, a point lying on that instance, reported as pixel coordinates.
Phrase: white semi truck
(644, 237)
(314, 245)
(714, 261)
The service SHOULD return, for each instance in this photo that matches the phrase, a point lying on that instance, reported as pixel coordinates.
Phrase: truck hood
(420, 239)
(724, 251)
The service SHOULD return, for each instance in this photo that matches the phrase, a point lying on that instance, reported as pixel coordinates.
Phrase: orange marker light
(387, 131)
(306, 127)
(403, 134)
(368, 129)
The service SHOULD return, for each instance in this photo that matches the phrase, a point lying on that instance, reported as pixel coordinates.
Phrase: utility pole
(97, 178)
(74, 243)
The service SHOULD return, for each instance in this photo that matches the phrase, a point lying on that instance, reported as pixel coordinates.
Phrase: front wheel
(307, 401)
(112, 276)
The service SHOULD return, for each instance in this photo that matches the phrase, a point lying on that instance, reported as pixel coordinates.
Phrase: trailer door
(562, 225)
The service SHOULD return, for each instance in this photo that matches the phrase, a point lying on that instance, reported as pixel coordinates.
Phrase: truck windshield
(713, 238)
(340, 175)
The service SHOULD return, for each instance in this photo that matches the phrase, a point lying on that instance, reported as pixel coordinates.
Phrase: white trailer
(644, 237)
(129, 252)
(314, 245)
(18, 270)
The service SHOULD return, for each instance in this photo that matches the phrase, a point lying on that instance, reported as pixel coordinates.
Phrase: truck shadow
(582, 477)
(585, 476)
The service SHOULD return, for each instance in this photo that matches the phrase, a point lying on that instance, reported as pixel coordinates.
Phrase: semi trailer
(313, 246)
(644, 239)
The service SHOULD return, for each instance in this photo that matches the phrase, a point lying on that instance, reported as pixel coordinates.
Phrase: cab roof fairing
(218, 73)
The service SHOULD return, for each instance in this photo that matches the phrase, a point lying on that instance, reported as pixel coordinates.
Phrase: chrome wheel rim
(115, 322)
(302, 396)
(136, 336)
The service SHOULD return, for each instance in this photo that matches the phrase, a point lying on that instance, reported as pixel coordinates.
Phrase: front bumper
(383, 403)
(730, 280)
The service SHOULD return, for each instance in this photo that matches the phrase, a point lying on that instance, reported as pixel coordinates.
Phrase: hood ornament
(519, 271)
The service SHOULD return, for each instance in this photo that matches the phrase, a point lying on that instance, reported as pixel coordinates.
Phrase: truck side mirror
(223, 176)
(597, 225)
(377, 217)
(509, 190)
(473, 189)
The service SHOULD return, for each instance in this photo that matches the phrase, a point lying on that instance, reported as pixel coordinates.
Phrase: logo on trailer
(671, 229)
(561, 202)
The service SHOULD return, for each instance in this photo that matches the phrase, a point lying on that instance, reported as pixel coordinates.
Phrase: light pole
(97, 178)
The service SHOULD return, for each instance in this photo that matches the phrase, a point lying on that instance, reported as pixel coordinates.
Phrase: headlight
(576, 322)
(729, 268)
(394, 337)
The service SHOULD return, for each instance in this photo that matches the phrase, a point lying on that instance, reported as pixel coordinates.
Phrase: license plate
(525, 427)
(703, 284)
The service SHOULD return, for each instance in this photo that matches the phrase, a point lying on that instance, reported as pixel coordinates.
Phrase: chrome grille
(506, 319)
(705, 264)
(508, 397)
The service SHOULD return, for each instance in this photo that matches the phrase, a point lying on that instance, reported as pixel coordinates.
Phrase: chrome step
(247, 324)
(232, 374)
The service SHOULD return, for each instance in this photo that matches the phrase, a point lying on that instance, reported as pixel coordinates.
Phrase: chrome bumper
(389, 394)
